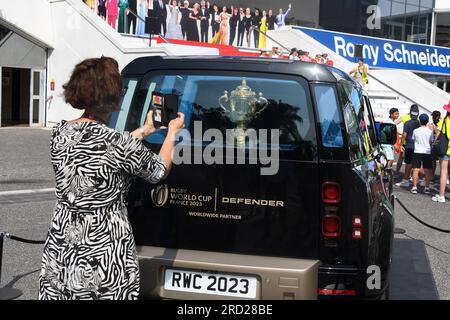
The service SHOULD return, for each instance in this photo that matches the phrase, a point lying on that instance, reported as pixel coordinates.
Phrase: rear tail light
(331, 226)
(331, 193)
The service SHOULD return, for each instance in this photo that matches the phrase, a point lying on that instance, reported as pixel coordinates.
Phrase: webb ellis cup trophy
(241, 107)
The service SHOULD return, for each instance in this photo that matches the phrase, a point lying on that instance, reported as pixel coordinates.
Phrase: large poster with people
(204, 21)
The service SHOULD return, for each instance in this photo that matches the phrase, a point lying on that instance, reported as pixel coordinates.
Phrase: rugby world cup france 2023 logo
(159, 195)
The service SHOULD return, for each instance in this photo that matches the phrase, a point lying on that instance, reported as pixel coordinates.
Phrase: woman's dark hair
(95, 85)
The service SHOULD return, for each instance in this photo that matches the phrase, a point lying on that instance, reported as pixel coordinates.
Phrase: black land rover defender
(279, 188)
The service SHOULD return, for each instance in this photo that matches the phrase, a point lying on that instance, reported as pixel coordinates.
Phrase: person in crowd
(262, 43)
(102, 9)
(90, 250)
(194, 16)
(326, 59)
(319, 59)
(142, 10)
(436, 117)
(174, 27)
(275, 53)
(387, 148)
(248, 22)
(215, 20)
(423, 138)
(360, 72)
(224, 24)
(113, 11)
(90, 4)
(123, 5)
(293, 55)
(444, 128)
(271, 20)
(131, 18)
(405, 118)
(304, 56)
(234, 20)
(160, 11)
(408, 149)
(222, 36)
(281, 17)
(241, 27)
(204, 21)
(185, 11)
(256, 23)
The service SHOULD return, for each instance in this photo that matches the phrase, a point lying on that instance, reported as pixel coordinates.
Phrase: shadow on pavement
(411, 276)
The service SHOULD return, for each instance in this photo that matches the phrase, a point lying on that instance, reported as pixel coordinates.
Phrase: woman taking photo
(90, 252)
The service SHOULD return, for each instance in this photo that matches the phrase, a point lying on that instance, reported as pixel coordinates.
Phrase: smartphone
(165, 107)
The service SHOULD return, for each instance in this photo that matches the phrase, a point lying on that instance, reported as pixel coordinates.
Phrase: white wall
(442, 4)
(31, 16)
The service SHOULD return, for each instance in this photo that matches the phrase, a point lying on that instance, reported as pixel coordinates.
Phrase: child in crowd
(423, 138)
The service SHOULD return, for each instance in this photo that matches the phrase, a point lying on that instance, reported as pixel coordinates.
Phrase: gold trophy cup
(241, 106)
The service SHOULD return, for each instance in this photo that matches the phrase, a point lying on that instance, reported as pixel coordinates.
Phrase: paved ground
(437, 243)
(24, 159)
(24, 164)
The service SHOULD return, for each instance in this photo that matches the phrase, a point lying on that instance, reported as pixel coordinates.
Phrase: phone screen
(165, 107)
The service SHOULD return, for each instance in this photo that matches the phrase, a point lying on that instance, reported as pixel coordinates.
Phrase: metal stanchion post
(6, 293)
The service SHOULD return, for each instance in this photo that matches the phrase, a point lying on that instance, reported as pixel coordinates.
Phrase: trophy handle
(264, 102)
(224, 99)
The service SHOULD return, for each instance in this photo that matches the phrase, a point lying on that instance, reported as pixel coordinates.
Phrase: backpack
(440, 144)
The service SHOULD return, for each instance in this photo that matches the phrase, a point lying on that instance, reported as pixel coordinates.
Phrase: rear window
(228, 100)
(329, 116)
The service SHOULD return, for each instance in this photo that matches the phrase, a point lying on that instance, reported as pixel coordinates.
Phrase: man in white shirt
(423, 138)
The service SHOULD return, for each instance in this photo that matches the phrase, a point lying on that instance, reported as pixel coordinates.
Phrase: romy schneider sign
(384, 53)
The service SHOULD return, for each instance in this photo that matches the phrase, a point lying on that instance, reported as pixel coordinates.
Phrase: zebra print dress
(89, 251)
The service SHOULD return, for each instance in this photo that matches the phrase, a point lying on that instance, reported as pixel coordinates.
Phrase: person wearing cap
(408, 148)
(389, 149)
(423, 139)
(444, 128)
(405, 118)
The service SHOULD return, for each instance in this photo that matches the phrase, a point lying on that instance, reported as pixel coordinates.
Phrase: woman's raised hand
(148, 126)
(177, 124)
